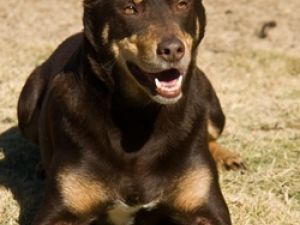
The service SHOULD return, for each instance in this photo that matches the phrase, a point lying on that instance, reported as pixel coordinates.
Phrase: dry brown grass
(257, 80)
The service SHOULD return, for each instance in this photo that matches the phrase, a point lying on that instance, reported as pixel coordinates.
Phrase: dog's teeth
(180, 80)
(158, 84)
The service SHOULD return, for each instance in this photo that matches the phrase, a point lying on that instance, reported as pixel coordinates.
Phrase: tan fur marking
(147, 43)
(81, 192)
(188, 40)
(192, 190)
(213, 132)
(138, 1)
(137, 46)
(105, 33)
(115, 49)
(129, 45)
(197, 28)
(125, 48)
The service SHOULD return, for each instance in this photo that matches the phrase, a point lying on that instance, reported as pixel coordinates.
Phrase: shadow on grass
(18, 173)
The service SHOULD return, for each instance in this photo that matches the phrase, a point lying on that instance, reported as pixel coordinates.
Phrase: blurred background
(251, 53)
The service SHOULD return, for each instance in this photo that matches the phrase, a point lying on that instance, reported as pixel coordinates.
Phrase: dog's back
(35, 88)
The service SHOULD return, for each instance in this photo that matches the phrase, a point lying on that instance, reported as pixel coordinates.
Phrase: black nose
(171, 50)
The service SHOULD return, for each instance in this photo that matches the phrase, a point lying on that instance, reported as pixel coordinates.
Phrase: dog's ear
(89, 26)
(200, 11)
(90, 3)
(96, 15)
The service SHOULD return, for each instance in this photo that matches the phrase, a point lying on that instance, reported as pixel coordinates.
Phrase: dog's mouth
(166, 83)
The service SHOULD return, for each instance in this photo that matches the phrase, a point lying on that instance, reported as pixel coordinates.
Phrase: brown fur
(111, 141)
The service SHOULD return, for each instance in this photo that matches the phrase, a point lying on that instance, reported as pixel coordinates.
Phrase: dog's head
(154, 42)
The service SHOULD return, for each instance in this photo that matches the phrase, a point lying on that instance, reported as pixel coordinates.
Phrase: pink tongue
(169, 93)
(169, 83)
(169, 89)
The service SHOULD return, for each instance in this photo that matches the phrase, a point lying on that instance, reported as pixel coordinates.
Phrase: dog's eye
(130, 10)
(182, 4)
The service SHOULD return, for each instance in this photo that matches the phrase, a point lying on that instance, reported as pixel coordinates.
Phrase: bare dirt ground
(257, 80)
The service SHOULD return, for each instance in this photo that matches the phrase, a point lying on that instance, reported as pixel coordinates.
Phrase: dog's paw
(231, 161)
(226, 159)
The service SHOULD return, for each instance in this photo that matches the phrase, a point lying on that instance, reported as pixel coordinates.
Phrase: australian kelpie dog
(125, 120)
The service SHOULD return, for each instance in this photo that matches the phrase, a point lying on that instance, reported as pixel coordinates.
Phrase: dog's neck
(131, 100)
(134, 119)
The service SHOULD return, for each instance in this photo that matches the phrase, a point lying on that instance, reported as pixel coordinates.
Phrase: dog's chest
(123, 214)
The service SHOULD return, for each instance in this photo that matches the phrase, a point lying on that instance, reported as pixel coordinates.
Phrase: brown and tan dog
(124, 120)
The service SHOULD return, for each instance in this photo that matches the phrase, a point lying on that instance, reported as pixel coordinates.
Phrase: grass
(256, 79)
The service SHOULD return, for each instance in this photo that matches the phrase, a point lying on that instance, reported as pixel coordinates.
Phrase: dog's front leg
(198, 200)
(53, 212)
(73, 197)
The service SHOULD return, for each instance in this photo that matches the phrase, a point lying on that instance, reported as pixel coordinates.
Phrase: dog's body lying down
(124, 120)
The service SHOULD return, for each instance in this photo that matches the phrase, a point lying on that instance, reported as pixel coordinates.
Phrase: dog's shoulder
(53, 71)
(63, 54)
(201, 86)
(200, 80)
